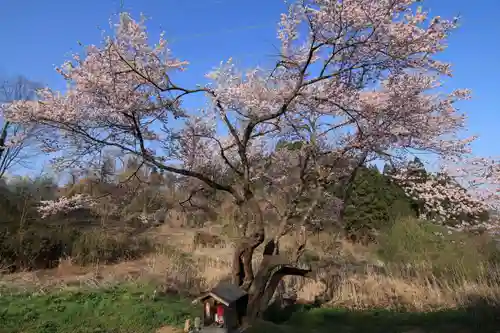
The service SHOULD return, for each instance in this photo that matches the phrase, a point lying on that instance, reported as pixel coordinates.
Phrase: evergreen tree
(375, 202)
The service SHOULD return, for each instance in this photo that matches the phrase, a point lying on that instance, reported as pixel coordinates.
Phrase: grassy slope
(119, 309)
(130, 308)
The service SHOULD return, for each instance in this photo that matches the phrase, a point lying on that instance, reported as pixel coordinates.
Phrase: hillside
(376, 291)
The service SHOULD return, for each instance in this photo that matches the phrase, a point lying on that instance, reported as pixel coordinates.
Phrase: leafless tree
(16, 144)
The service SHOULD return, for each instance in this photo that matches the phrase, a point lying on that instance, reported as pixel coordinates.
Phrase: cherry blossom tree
(355, 80)
(461, 195)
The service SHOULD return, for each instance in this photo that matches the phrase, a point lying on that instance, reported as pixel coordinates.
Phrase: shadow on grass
(479, 317)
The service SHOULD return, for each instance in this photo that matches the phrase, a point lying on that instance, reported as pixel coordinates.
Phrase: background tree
(375, 203)
(443, 198)
(16, 139)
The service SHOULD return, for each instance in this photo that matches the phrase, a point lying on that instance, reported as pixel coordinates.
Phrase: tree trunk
(262, 286)
(3, 138)
(272, 269)
(242, 270)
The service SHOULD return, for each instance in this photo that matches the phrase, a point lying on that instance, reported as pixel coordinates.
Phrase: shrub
(34, 248)
(40, 247)
(98, 246)
(413, 244)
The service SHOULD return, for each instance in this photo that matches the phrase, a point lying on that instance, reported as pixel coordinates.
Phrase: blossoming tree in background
(354, 82)
(461, 196)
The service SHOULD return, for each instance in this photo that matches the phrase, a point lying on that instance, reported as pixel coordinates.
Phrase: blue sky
(36, 35)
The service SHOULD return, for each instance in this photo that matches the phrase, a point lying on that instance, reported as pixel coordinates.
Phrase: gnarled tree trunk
(271, 271)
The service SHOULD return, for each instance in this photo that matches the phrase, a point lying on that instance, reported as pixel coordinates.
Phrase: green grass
(450, 321)
(132, 309)
(480, 319)
(119, 310)
(429, 247)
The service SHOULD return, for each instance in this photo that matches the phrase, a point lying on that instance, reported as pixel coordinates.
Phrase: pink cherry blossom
(65, 204)
(465, 187)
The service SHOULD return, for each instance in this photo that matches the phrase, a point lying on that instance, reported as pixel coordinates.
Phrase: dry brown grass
(366, 284)
(168, 329)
